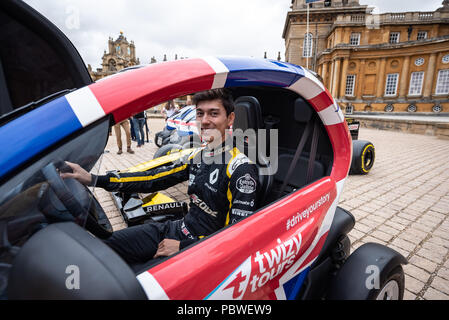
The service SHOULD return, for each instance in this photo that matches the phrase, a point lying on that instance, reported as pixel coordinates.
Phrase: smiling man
(223, 185)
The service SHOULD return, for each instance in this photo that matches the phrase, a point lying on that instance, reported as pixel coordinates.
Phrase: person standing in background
(138, 122)
(118, 136)
(169, 109)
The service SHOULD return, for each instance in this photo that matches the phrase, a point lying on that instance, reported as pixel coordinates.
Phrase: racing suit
(222, 188)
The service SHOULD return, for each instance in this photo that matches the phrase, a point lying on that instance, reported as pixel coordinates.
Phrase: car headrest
(248, 114)
(302, 111)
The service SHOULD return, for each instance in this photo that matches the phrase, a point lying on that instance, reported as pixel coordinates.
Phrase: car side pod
(373, 271)
(64, 262)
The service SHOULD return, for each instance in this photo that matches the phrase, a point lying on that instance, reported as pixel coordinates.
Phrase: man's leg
(125, 125)
(142, 133)
(118, 136)
(146, 129)
(133, 135)
(135, 123)
(137, 244)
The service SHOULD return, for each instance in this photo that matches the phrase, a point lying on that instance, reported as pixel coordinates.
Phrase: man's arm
(243, 189)
(146, 181)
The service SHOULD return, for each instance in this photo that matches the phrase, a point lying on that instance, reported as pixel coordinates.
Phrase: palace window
(422, 35)
(416, 82)
(443, 82)
(350, 84)
(307, 46)
(394, 37)
(391, 86)
(419, 62)
(354, 40)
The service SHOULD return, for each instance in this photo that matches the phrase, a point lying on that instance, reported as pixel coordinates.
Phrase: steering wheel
(63, 192)
(79, 201)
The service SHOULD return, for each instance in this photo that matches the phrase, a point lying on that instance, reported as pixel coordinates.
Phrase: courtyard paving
(402, 203)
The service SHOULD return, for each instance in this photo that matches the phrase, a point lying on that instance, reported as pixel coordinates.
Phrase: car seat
(303, 114)
(248, 115)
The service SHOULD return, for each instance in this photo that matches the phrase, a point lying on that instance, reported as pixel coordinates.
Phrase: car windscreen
(37, 196)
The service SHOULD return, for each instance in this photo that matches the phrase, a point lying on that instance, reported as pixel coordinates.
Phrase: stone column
(320, 69)
(430, 73)
(381, 78)
(336, 77)
(331, 75)
(361, 79)
(324, 73)
(344, 72)
(404, 78)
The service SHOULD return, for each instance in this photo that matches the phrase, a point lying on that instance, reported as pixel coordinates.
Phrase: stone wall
(439, 129)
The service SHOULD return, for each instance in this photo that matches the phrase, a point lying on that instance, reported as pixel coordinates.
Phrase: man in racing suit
(222, 186)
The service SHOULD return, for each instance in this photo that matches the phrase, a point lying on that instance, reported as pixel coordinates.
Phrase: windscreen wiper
(31, 106)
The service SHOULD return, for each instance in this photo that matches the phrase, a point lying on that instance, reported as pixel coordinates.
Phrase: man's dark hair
(224, 95)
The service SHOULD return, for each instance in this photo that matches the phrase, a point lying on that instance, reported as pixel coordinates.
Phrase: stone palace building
(392, 62)
(121, 54)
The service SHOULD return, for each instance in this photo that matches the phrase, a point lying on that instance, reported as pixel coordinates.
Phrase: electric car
(294, 245)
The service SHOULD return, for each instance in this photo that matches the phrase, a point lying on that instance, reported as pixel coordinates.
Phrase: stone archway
(112, 65)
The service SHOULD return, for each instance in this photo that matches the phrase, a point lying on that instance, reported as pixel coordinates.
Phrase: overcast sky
(188, 28)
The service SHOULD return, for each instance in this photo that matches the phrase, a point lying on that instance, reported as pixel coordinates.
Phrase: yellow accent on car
(156, 198)
(363, 157)
(158, 161)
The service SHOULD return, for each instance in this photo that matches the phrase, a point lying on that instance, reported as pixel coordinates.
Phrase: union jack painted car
(294, 246)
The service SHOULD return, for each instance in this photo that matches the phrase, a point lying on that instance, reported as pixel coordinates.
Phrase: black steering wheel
(78, 200)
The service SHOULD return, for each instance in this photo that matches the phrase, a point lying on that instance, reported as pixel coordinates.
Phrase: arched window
(307, 46)
(111, 65)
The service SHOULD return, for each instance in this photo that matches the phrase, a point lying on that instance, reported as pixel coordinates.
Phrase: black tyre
(167, 149)
(393, 286)
(161, 136)
(363, 155)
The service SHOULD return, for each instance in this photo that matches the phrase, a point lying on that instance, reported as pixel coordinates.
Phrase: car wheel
(363, 155)
(167, 149)
(393, 287)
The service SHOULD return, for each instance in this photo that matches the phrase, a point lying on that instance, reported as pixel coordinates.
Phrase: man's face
(212, 121)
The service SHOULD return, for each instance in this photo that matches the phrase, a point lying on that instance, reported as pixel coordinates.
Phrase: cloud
(398, 5)
(186, 28)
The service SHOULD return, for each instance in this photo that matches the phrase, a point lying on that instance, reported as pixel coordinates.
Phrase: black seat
(248, 115)
(303, 114)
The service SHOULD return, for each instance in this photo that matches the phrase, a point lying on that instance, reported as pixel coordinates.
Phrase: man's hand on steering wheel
(78, 173)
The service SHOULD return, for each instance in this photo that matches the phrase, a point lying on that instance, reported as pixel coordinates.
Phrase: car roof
(134, 91)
